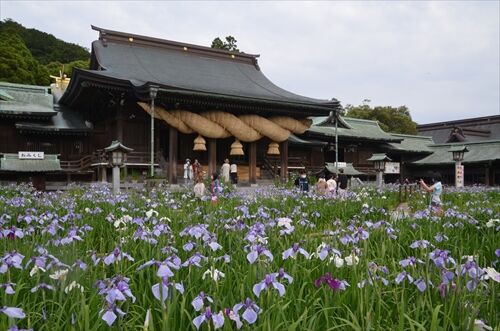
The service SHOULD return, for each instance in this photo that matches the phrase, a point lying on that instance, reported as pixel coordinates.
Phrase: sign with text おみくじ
(31, 155)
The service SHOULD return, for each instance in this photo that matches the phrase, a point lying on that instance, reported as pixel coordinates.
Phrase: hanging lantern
(273, 149)
(200, 144)
(236, 148)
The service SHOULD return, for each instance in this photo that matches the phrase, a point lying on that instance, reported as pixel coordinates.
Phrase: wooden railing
(78, 165)
(405, 190)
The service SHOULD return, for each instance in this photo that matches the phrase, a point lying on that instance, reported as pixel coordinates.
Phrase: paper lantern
(236, 148)
(273, 149)
(200, 144)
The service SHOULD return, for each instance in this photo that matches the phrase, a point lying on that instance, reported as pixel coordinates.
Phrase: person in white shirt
(225, 169)
(234, 173)
(332, 185)
(188, 171)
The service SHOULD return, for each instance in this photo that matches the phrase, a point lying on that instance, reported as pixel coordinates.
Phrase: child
(199, 188)
(303, 182)
(215, 187)
(436, 189)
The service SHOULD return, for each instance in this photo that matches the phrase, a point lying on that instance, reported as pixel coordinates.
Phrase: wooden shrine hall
(187, 101)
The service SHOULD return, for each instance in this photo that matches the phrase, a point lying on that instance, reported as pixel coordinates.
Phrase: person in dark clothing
(342, 184)
(303, 182)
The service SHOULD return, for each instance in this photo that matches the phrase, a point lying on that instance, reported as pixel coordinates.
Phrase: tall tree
(17, 64)
(228, 45)
(391, 119)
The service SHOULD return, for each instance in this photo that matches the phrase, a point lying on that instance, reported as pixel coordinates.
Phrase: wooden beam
(212, 156)
(252, 163)
(284, 160)
(173, 136)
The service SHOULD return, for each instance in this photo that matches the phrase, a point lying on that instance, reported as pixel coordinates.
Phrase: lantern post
(117, 156)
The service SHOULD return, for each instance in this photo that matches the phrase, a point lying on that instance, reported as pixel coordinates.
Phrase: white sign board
(459, 175)
(340, 164)
(31, 155)
(392, 168)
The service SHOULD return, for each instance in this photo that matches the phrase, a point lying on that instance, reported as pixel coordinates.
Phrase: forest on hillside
(30, 56)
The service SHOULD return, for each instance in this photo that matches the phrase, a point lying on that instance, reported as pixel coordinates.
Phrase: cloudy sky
(441, 59)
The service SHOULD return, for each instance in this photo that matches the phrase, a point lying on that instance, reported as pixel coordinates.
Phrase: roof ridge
(361, 120)
(468, 143)
(103, 33)
(410, 135)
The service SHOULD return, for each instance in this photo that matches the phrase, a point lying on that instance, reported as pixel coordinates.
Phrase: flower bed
(273, 260)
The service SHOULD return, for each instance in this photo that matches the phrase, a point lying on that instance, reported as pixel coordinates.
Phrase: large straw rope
(233, 124)
(266, 127)
(218, 124)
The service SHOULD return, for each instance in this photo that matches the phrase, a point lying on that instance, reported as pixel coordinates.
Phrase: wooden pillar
(212, 156)
(284, 160)
(252, 163)
(119, 124)
(173, 136)
(487, 175)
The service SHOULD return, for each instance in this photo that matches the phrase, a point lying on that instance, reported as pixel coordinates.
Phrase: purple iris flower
(440, 237)
(195, 260)
(189, 246)
(258, 250)
(9, 288)
(268, 282)
(79, 263)
(117, 255)
(9, 260)
(110, 314)
(333, 283)
(217, 319)
(251, 310)
(160, 290)
(15, 328)
(421, 244)
(198, 302)
(282, 274)
(410, 261)
(293, 251)
(421, 284)
(360, 234)
(445, 288)
(473, 271)
(42, 286)
(401, 276)
(13, 312)
(497, 252)
(441, 258)
(12, 233)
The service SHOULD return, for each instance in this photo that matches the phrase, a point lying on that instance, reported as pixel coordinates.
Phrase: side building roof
(481, 151)
(351, 128)
(28, 101)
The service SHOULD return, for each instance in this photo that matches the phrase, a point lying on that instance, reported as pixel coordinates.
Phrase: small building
(465, 130)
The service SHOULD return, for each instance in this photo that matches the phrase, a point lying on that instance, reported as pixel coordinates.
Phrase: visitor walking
(196, 169)
(435, 190)
(234, 173)
(225, 169)
(188, 171)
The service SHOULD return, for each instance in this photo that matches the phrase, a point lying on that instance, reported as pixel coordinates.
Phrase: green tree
(44, 47)
(391, 119)
(228, 45)
(17, 64)
(55, 67)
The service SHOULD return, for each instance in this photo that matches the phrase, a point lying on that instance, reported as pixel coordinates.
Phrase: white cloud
(441, 59)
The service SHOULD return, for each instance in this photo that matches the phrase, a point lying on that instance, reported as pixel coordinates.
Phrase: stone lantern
(117, 155)
(458, 153)
(379, 160)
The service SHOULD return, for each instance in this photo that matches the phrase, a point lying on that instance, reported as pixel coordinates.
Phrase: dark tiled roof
(182, 68)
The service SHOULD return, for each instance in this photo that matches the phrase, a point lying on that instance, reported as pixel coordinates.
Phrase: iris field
(274, 260)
